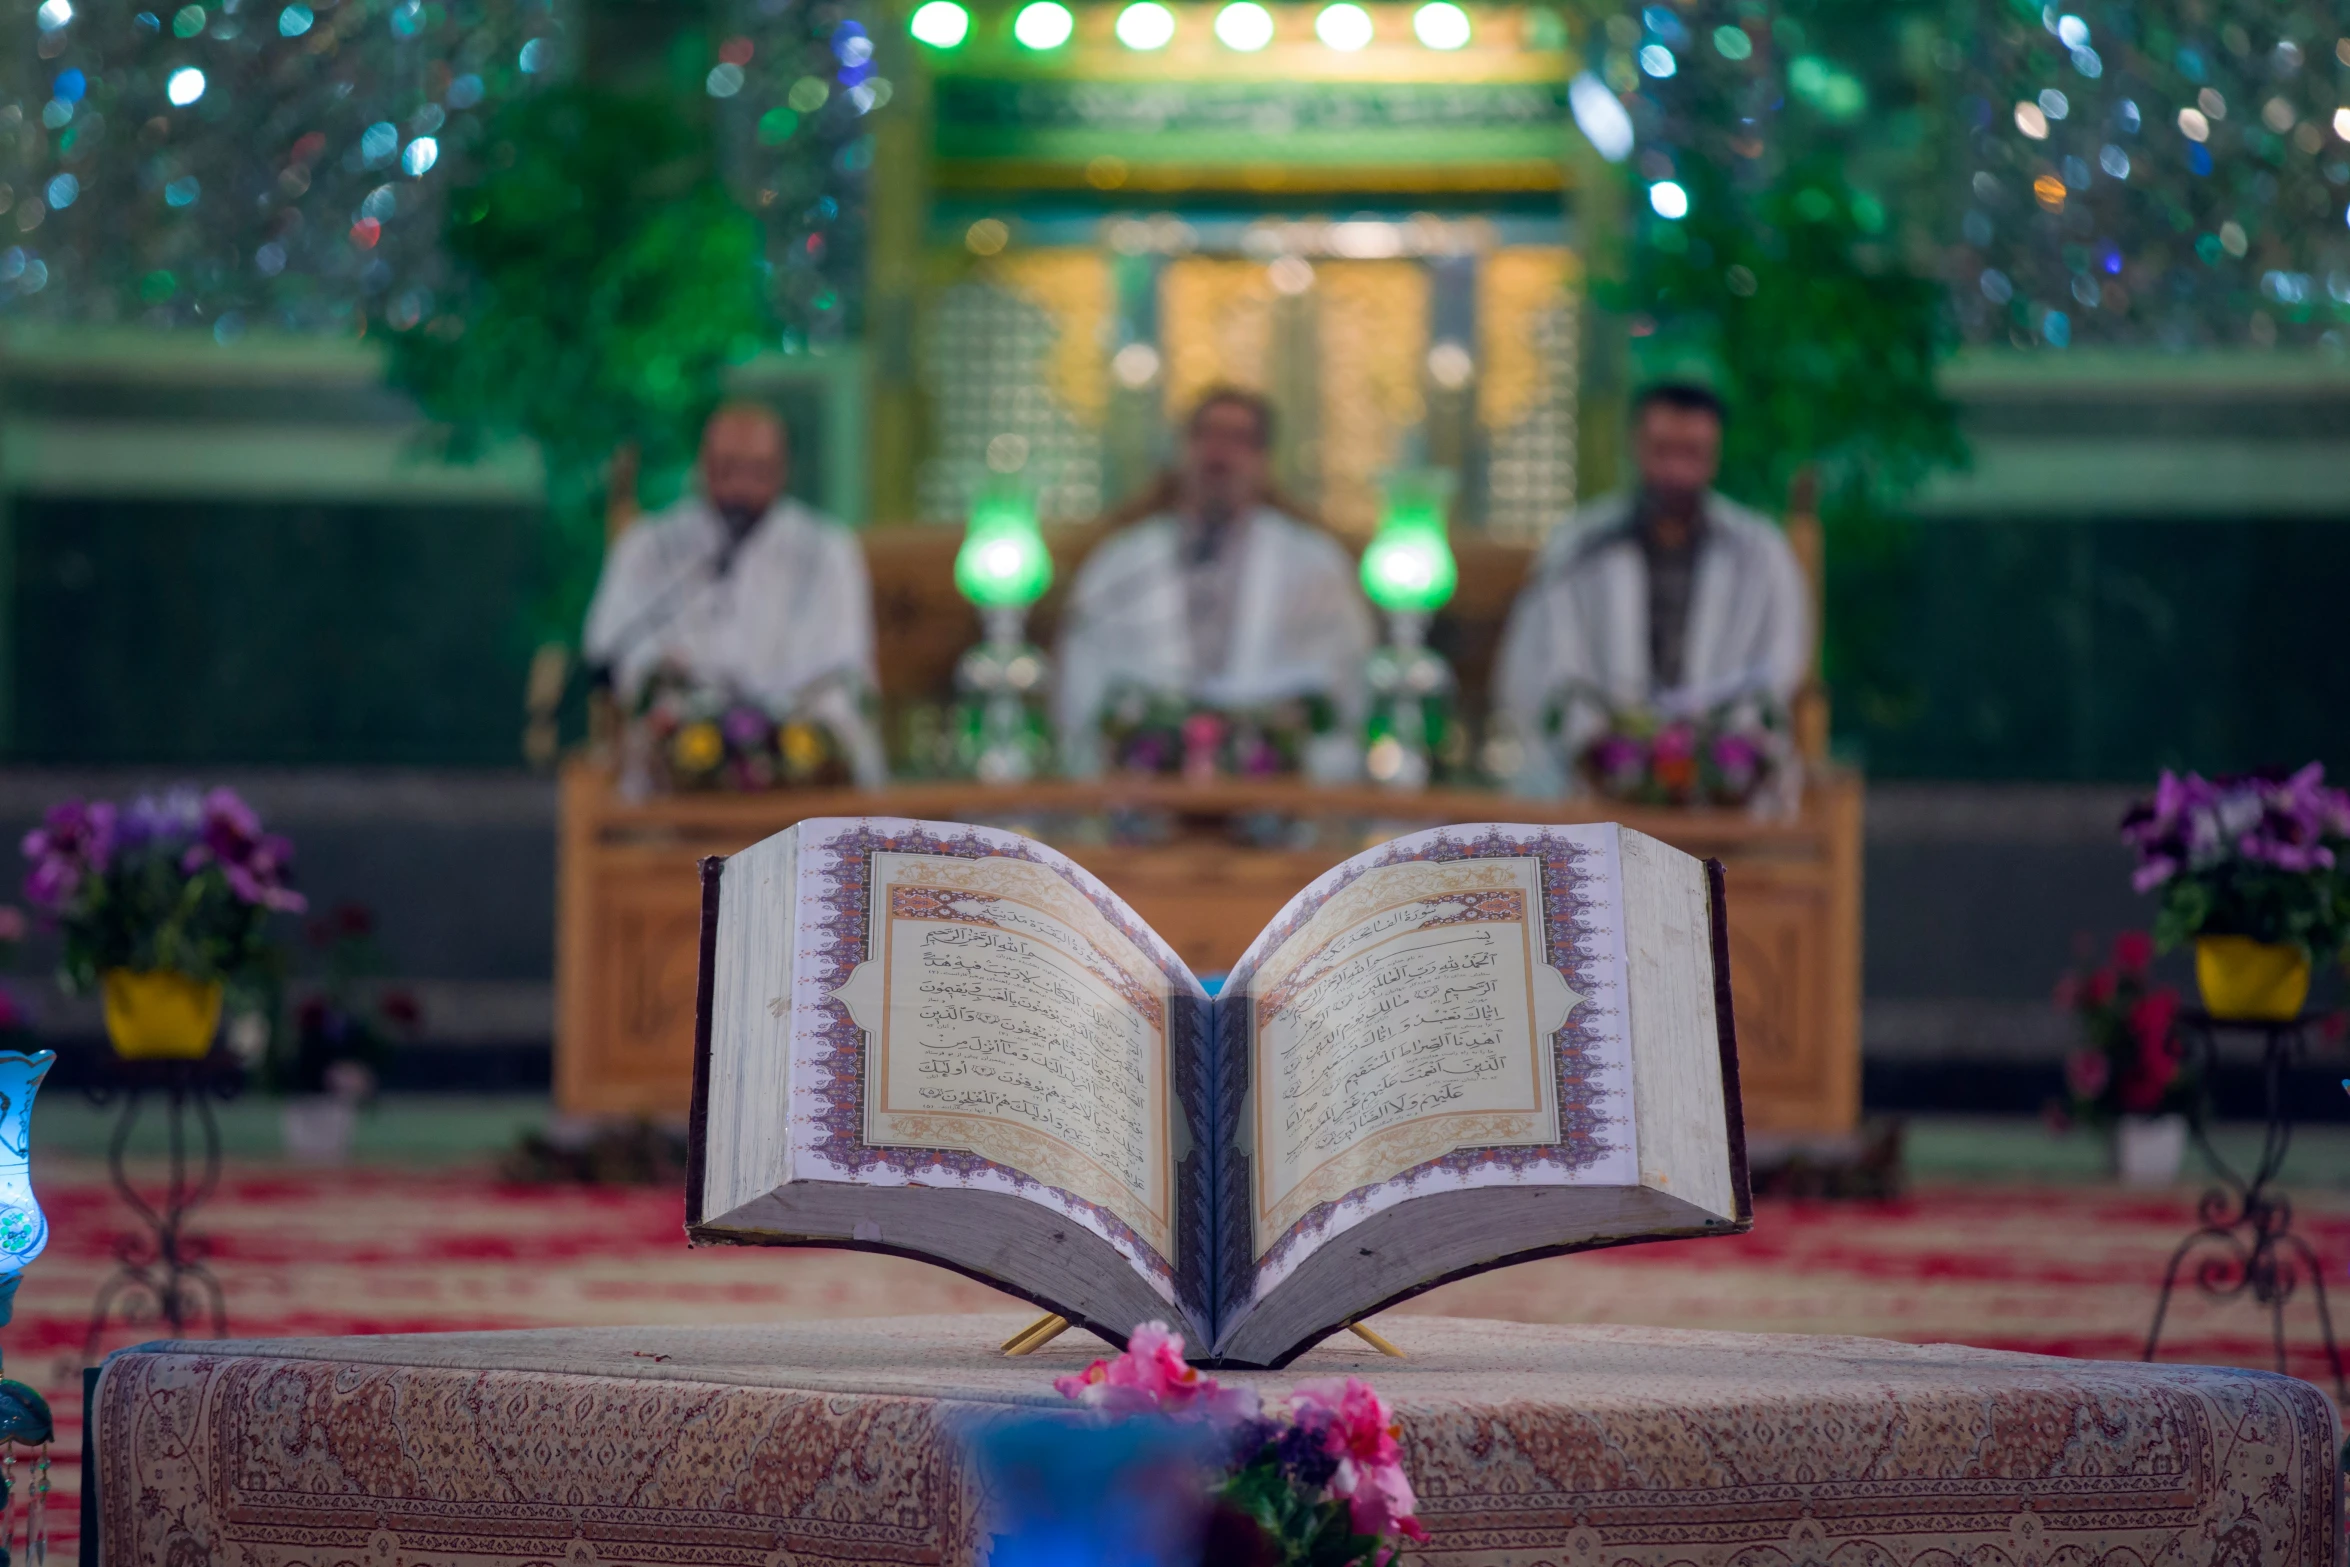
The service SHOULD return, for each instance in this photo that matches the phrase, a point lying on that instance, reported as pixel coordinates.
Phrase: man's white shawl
(1581, 625)
(789, 624)
(1301, 626)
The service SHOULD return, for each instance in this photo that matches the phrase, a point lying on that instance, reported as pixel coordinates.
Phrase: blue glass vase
(24, 1229)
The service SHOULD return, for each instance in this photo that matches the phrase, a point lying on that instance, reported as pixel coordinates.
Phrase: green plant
(607, 281)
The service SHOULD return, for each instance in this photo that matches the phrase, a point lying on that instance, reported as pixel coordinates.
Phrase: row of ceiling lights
(1242, 25)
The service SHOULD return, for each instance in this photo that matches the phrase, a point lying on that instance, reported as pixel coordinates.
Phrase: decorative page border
(828, 1067)
(1584, 937)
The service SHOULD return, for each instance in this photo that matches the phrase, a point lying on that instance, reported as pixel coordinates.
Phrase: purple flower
(745, 727)
(74, 841)
(174, 818)
(254, 862)
(1618, 756)
(1737, 756)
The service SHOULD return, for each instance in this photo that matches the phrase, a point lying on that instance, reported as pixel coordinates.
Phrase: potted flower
(329, 1061)
(162, 905)
(2250, 869)
(2128, 1076)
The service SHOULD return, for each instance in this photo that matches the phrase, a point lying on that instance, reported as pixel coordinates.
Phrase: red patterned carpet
(2056, 1270)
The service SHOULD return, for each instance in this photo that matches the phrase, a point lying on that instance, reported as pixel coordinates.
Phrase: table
(1214, 864)
(833, 1443)
(159, 1273)
(2244, 1243)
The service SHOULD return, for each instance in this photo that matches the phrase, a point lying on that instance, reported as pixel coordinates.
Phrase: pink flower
(1362, 1433)
(1676, 741)
(1152, 1377)
(2151, 1019)
(2086, 1072)
(2132, 951)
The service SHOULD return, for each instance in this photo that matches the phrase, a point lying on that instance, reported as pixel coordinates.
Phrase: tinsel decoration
(244, 165)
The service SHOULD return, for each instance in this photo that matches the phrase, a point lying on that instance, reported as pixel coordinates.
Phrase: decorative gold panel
(1216, 322)
(1526, 328)
(1373, 321)
(1342, 356)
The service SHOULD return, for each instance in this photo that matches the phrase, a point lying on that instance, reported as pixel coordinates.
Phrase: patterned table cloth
(832, 1442)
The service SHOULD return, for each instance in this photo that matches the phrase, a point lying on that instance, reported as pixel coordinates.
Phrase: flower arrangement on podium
(1725, 756)
(1313, 1480)
(1157, 733)
(163, 905)
(1001, 732)
(691, 734)
(2251, 869)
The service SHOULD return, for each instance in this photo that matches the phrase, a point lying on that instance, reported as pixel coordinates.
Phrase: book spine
(705, 983)
(1726, 1031)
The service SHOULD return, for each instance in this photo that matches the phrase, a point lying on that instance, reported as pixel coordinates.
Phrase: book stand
(1048, 1327)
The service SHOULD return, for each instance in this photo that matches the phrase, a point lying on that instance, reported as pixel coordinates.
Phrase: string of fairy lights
(1146, 26)
(2172, 173)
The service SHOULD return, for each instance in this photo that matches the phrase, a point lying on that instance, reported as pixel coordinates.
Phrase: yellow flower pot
(2251, 981)
(160, 1016)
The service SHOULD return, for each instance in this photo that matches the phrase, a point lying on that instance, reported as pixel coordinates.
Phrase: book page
(1415, 1004)
(986, 1015)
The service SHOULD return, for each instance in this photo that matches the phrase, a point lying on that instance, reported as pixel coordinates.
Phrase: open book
(1462, 1048)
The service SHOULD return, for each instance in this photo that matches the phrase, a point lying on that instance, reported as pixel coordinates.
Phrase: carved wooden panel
(630, 906)
(1776, 982)
(633, 1044)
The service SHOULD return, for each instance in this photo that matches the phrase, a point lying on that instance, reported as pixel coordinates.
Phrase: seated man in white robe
(1671, 599)
(1220, 599)
(744, 588)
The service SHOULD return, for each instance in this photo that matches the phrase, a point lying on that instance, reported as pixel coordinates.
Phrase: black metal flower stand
(159, 1273)
(2245, 1244)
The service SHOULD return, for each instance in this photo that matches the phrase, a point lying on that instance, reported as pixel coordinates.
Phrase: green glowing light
(1003, 563)
(1409, 566)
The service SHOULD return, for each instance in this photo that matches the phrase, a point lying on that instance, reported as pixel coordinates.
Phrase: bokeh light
(1669, 200)
(1599, 115)
(1043, 24)
(1345, 26)
(941, 24)
(1146, 25)
(1244, 25)
(184, 86)
(1441, 25)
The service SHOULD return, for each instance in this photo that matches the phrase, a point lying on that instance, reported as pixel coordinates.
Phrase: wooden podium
(629, 903)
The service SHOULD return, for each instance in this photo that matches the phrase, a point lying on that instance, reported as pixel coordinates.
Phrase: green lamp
(1003, 564)
(1409, 572)
(1003, 567)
